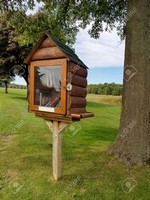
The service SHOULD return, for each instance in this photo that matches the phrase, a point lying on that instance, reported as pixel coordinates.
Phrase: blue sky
(103, 56)
(105, 75)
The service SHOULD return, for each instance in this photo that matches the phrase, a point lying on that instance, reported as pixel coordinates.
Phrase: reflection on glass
(48, 86)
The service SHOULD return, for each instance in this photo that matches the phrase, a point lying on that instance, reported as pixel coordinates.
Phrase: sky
(104, 57)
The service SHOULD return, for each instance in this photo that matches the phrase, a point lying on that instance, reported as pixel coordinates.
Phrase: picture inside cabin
(47, 86)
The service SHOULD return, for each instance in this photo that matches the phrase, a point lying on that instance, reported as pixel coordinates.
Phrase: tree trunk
(25, 76)
(133, 142)
(6, 87)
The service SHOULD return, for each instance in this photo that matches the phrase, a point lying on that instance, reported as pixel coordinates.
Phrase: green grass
(89, 172)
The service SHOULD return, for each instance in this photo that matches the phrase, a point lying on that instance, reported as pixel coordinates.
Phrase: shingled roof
(70, 54)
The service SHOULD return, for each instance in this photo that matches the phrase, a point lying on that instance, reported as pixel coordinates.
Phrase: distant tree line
(13, 85)
(105, 89)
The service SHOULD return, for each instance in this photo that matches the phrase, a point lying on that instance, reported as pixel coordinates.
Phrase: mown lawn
(89, 172)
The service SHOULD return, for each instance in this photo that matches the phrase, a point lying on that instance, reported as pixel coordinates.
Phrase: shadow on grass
(103, 134)
(20, 97)
(98, 105)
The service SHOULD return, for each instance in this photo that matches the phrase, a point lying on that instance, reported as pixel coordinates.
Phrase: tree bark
(25, 76)
(133, 142)
(6, 87)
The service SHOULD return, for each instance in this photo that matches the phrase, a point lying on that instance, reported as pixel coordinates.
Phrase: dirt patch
(7, 138)
(6, 141)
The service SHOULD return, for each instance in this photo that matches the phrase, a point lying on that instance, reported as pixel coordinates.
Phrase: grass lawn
(89, 172)
(105, 99)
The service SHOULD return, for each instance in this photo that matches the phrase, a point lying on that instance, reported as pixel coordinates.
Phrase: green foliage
(30, 28)
(5, 79)
(11, 53)
(64, 18)
(105, 89)
(95, 13)
(14, 5)
(13, 85)
(117, 90)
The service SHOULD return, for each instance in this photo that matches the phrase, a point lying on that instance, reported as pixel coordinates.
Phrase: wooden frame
(56, 62)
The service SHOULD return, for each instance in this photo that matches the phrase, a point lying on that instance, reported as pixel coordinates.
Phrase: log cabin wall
(48, 50)
(28, 88)
(76, 98)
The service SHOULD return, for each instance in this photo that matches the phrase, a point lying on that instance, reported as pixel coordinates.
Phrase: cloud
(36, 8)
(107, 51)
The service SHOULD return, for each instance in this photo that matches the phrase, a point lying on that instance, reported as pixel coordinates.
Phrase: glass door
(48, 86)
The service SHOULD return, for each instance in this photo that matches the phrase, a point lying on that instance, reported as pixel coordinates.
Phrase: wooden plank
(88, 114)
(78, 91)
(82, 115)
(48, 43)
(77, 116)
(66, 120)
(28, 59)
(62, 126)
(50, 125)
(56, 128)
(47, 53)
(77, 110)
(77, 102)
(49, 116)
(56, 152)
(77, 69)
(79, 81)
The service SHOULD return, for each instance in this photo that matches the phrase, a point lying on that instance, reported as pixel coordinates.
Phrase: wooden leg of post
(56, 128)
(56, 151)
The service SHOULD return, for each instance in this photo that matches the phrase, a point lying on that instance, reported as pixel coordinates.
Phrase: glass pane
(47, 91)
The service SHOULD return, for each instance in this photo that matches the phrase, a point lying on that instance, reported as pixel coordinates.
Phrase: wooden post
(56, 128)
(56, 152)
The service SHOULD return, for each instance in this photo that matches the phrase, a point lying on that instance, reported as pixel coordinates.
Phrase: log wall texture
(48, 43)
(48, 53)
(77, 96)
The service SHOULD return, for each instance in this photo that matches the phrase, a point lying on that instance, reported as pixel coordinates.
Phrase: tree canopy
(100, 14)
(14, 5)
(19, 31)
(63, 18)
(11, 53)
